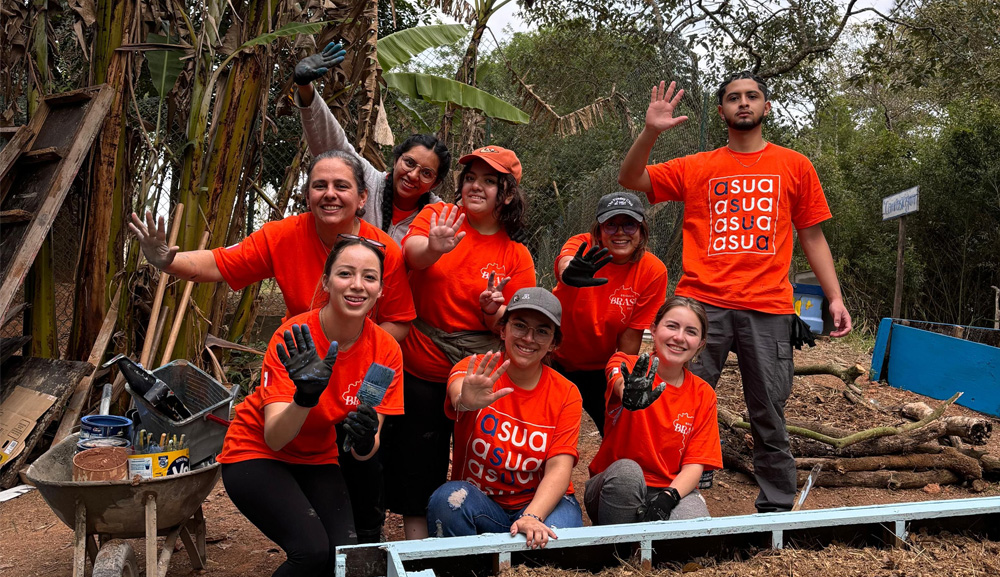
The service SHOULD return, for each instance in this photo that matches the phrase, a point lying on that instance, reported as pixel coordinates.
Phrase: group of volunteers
(489, 374)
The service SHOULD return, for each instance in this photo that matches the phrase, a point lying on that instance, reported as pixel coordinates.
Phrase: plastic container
(95, 426)
(808, 302)
(202, 395)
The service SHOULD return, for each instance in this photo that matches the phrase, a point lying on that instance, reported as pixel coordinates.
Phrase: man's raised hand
(662, 105)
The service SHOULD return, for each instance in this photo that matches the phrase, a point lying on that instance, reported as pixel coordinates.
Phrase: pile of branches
(924, 448)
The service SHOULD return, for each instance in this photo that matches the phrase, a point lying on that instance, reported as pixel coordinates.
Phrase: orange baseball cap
(499, 158)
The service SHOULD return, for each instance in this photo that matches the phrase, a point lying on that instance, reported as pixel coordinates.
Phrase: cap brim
(628, 212)
(537, 308)
(496, 165)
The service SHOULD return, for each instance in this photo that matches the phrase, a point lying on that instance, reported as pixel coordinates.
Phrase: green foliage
(398, 48)
(164, 65)
(442, 90)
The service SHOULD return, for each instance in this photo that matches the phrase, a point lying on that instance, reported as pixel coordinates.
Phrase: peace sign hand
(662, 104)
(637, 394)
(477, 386)
(443, 234)
(152, 239)
(491, 299)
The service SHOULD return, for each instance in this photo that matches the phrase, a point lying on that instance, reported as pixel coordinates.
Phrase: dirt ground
(35, 543)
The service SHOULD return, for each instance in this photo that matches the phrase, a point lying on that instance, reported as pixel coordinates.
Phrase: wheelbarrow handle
(219, 420)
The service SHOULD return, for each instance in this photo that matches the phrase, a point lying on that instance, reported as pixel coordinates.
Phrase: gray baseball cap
(537, 299)
(620, 203)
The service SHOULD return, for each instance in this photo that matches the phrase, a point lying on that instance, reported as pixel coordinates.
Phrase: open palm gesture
(443, 234)
(662, 105)
(477, 386)
(152, 237)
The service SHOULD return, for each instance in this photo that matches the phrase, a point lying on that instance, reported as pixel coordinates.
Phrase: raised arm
(193, 265)
(659, 117)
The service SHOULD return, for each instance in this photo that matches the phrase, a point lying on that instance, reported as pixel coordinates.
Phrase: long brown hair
(692, 305)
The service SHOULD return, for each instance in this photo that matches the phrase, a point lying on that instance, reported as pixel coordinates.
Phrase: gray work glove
(638, 392)
(312, 67)
(310, 373)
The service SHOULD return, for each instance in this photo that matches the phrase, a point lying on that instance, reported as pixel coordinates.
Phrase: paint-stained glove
(638, 392)
(659, 504)
(310, 373)
(312, 67)
(361, 426)
(580, 271)
(801, 333)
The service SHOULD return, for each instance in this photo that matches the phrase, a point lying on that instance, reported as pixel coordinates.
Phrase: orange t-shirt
(446, 294)
(738, 222)
(681, 427)
(290, 251)
(502, 449)
(316, 443)
(594, 317)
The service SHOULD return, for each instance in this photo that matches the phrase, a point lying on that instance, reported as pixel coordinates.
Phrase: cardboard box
(19, 414)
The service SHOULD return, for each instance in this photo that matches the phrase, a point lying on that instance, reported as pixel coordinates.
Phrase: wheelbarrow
(112, 511)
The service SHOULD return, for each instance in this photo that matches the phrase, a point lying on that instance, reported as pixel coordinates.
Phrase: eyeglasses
(609, 228)
(425, 174)
(521, 330)
(373, 243)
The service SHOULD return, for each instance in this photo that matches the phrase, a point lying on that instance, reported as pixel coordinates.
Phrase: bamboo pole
(161, 287)
(175, 329)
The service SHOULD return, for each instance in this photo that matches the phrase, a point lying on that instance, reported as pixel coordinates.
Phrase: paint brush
(373, 387)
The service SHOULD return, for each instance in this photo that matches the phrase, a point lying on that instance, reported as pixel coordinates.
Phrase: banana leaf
(440, 90)
(164, 65)
(398, 48)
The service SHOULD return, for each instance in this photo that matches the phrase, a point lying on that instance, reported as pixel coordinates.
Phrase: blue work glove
(581, 270)
(638, 392)
(308, 372)
(312, 67)
(361, 426)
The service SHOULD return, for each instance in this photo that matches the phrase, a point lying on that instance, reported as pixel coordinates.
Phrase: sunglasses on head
(373, 243)
(609, 228)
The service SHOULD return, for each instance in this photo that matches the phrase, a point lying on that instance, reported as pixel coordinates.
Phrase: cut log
(882, 479)
(848, 375)
(950, 459)
(991, 465)
(907, 442)
(969, 429)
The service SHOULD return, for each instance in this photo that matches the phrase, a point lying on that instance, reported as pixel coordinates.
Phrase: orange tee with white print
(316, 442)
(594, 317)
(681, 427)
(291, 252)
(739, 213)
(502, 449)
(446, 294)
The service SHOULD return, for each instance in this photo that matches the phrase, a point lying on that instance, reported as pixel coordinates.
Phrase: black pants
(366, 487)
(592, 386)
(303, 508)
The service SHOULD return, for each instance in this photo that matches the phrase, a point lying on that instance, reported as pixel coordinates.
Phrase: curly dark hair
(430, 142)
(742, 75)
(511, 216)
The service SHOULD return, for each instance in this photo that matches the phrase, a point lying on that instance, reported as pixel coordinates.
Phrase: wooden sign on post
(899, 205)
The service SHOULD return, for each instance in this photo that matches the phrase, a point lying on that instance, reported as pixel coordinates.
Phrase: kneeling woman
(280, 458)
(516, 426)
(661, 427)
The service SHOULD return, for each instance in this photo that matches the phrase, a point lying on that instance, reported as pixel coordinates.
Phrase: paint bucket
(101, 464)
(94, 442)
(105, 426)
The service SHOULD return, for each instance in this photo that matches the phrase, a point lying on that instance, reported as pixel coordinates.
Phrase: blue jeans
(459, 508)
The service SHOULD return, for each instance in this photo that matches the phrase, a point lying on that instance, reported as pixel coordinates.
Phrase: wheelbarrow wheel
(116, 559)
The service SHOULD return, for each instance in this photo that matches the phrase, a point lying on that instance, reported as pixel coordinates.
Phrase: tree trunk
(950, 459)
(882, 479)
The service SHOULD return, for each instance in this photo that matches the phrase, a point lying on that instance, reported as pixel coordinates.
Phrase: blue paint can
(105, 426)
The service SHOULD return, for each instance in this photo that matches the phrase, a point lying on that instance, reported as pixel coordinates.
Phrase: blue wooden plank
(938, 366)
(881, 349)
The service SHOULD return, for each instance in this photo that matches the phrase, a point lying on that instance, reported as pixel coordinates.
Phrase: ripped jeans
(458, 508)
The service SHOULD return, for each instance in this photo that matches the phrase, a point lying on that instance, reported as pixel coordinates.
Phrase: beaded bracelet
(535, 517)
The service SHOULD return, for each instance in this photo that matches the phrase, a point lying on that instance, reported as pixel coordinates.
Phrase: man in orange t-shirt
(741, 203)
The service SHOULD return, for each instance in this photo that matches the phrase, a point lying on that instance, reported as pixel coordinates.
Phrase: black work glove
(310, 373)
(580, 271)
(659, 504)
(361, 426)
(801, 333)
(638, 392)
(312, 67)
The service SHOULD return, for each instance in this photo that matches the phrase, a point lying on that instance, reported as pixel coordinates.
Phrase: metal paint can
(105, 426)
(94, 442)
